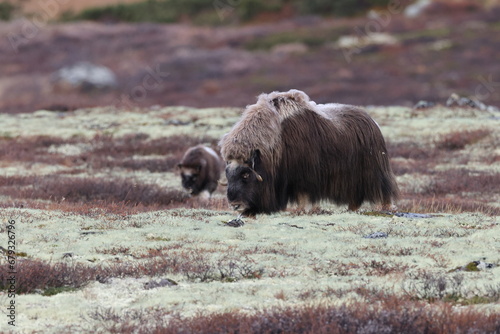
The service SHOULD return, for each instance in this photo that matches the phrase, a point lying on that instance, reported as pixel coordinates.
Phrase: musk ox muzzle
(244, 184)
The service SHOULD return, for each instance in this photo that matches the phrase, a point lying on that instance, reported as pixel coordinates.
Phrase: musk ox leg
(353, 206)
(304, 204)
(205, 195)
(389, 206)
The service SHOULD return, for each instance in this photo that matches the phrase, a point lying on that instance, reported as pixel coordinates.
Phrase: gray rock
(412, 215)
(376, 235)
(163, 282)
(85, 75)
(237, 222)
(424, 105)
(417, 8)
(481, 265)
(458, 101)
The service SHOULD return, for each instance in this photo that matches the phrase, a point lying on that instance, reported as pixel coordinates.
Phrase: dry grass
(457, 140)
(387, 315)
(73, 188)
(454, 190)
(102, 151)
(35, 275)
(89, 190)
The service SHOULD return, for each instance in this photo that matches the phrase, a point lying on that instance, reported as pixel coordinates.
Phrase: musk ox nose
(232, 195)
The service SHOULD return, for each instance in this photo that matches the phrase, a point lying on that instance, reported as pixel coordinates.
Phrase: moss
(476, 300)
(471, 266)
(54, 291)
(424, 34)
(310, 37)
(375, 214)
(158, 239)
(6, 11)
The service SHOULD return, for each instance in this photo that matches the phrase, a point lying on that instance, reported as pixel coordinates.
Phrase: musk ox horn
(257, 175)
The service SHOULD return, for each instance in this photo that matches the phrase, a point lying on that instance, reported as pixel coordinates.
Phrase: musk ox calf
(200, 170)
(286, 148)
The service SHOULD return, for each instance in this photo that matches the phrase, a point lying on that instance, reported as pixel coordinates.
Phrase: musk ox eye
(245, 175)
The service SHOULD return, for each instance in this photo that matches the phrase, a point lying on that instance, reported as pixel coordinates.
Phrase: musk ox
(200, 170)
(286, 148)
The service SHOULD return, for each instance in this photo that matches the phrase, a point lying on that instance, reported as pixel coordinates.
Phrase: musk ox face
(200, 170)
(190, 177)
(244, 185)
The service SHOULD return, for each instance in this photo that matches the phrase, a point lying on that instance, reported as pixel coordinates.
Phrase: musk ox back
(305, 152)
(200, 170)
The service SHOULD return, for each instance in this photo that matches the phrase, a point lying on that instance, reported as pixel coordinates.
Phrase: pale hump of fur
(288, 104)
(296, 101)
(258, 129)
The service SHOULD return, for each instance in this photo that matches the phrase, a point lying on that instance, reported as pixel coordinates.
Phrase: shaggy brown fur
(333, 152)
(200, 170)
(258, 128)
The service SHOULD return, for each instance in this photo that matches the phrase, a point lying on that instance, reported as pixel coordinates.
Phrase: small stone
(484, 265)
(412, 215)
(376, 235)
(424, 104)
(235, 222)
(163, 282)
(85, 75)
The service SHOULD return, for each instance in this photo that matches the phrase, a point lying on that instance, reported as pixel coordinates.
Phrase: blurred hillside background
(62, 55)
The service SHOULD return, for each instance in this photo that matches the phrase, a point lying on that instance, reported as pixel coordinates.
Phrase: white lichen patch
(110, 121)
(284, 259)
(299, 259)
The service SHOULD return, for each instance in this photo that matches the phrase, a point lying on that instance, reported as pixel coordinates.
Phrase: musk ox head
(190, 177)
(245, 184)
(200, 170)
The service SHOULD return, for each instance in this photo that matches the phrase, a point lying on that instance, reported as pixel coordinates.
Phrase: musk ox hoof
(235, 222)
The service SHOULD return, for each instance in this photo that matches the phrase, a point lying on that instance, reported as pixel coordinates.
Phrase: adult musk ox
(286, 148)
(200, 170)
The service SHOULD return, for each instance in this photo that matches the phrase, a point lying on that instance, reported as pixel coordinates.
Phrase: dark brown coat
(322, 152)
(200, 170)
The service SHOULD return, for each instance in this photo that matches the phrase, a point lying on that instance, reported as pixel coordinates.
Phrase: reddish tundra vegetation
(448, 49)
(114, 177)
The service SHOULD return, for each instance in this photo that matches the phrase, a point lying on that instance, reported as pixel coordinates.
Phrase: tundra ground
(106, 240)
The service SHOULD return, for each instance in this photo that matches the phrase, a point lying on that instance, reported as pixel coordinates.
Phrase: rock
(484, 265)
(85, 75)
(424, 104)
(417, 8)
(476, 266)
(237, 222)
(457, 101)
(351, 42)
(376, 235)
(163, 282)
(176, 122)
(412, 215)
